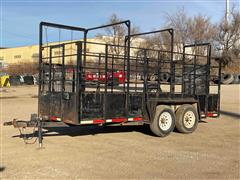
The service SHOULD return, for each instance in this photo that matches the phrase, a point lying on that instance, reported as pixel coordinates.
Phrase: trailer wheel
(186, 119)
(164, 121)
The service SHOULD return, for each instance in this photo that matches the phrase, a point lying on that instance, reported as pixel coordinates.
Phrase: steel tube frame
(108, 25)
(79, 81)
(151, 32)
(81, 58)
(61, 26)
(219, 83)
(171, 32)
(126, 45)
(207, 82)
(209, 51)
(106, 81)
(126, 51)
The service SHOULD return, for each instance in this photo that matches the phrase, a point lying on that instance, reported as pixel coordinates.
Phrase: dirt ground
(212, 151)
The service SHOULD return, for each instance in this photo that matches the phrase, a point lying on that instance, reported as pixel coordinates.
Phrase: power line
(18, 35)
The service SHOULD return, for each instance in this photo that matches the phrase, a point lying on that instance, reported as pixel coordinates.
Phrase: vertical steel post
(73, 79)
(158, 72)
(50, 81)
(99, 68)
(183, 71)
(172, 86)
(207, 77)
(219, 84)
(145, 76)
(194, 73)
(63, 68)
(53, 77)
(105, 91)
(40, 85)
(145, 71)
(85, 48)
(124, 63)
(79, 82)
(40, 138)
(112, 75)
(50, 71)
(63, 80)
(136, 77)
(84, 56)
(128, 66)
(40, 65)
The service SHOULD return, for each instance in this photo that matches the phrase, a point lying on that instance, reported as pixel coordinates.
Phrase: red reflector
(119, 120)
(53, 118)
(212, 114)
(98, 121)
(137, 119)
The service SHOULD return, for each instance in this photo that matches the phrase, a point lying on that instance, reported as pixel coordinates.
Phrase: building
(30, 54)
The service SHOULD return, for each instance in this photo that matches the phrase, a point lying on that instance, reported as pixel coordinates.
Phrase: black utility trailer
(66, 97)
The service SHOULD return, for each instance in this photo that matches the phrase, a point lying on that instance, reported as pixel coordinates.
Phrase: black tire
(164, 77)
(236, 79)
(160, 126)
(28, 80)
(180, 118)
(227, 79)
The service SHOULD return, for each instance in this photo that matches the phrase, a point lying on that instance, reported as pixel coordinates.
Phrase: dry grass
(233, 67)
(23, 68)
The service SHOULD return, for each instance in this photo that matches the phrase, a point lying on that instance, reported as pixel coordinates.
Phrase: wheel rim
(189, 119)
(165, 121)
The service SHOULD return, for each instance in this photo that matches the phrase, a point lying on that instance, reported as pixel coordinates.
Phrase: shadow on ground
(87, 130)
(91, 130)
(2, 168)
(231, 114)
(94, 130)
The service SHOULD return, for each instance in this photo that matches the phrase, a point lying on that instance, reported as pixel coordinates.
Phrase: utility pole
(227, 12)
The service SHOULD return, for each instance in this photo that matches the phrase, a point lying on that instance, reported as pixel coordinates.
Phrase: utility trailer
(66, 97)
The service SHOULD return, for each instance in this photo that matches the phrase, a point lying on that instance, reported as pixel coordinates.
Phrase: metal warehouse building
(27, 54)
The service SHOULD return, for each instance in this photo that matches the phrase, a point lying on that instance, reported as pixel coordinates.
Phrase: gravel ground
(212, 151)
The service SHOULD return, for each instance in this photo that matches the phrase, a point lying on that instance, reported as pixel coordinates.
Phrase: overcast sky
(20, 19)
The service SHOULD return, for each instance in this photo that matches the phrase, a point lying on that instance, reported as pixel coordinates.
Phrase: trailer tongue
(34, 122)
(67, 95)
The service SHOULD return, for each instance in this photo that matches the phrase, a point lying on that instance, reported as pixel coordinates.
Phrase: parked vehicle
(16, 80)
(113, 78)
(67, 98)
(28, 80)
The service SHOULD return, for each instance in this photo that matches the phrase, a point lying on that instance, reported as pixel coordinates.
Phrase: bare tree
(158, 41)
(228, 37)
(115, 35)
(201, 29)
(189, 30)
(180, 23)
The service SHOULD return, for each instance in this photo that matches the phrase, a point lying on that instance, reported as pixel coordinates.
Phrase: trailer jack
(35, 122)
